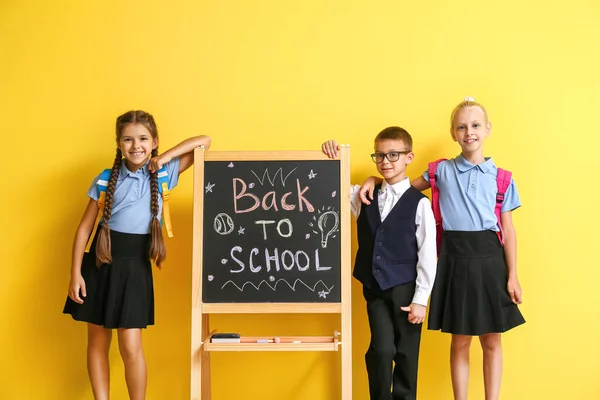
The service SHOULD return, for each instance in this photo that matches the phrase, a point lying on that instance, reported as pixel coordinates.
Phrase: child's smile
(136, 144)
(393, 171)
(470, 129)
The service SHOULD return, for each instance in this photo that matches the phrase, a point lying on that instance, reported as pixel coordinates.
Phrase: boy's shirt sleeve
(355, 203)
(426, 253)
(511, 198)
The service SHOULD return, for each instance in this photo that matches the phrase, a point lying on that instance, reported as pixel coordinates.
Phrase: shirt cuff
(421, 297)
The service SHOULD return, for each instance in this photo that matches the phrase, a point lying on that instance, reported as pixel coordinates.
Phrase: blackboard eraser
(226, 336)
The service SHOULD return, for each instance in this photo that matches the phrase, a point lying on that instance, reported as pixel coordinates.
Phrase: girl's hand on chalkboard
(157, 162)
(367, 189)
(330, 148)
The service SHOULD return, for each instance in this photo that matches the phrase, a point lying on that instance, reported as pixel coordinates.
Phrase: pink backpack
(502, 182)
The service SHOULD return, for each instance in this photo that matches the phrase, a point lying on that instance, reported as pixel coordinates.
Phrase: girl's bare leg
(132, 353)
(98, 367)
(459, 365)
(492, 364)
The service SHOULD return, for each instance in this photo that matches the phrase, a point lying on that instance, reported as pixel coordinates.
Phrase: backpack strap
(101, 186)
(435, 201)
(502, 182)
(165, 190)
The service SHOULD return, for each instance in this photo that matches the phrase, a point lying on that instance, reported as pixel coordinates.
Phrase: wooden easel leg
(346, 368)
(196, 360)
(205, 361)
(346, 276)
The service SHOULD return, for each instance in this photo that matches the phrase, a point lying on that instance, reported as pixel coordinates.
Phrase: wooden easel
(201, 346)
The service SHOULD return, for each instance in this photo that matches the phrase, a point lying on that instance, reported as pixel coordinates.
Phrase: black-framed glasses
(391, 156)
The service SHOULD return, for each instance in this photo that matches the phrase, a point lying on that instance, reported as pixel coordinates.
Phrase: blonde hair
(467, 102)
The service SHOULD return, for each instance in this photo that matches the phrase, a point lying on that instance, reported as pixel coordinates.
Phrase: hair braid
(103, 249)
(157, 251)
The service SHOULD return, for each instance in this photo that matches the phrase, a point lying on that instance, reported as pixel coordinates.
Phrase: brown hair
(467, 102)
(396, 133)
(157, 250)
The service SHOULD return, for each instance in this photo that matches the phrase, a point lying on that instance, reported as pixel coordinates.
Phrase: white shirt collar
(397, 188)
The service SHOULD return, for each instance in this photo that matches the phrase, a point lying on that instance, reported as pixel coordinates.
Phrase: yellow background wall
(269, 74)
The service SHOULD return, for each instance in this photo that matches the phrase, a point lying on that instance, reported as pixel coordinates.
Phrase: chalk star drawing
(323, 294)
(230, 165)
(307, 236)
(272, 278)
(209, 187)
(241, 230)
(210, 278)
(224, 261)
(312, 174)
(251, 185)
(333, 193)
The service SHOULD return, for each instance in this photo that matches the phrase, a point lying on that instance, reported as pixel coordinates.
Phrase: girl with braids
(111, 286)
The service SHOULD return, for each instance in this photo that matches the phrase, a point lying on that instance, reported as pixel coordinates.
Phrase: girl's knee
(99, 338)
(130, 344)
(130, 351)
(491, 341)
(461, 341)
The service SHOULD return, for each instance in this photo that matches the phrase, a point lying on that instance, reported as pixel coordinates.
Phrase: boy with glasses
(396, 263)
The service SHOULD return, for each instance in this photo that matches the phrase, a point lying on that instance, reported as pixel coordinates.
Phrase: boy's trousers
(393, 339)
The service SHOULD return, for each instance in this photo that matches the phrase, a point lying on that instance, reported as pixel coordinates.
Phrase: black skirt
(121, 294)
(469, 295)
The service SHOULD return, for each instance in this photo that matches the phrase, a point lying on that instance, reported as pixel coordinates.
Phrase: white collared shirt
(425, 232)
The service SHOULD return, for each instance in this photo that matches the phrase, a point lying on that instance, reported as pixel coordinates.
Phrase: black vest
(387, 251)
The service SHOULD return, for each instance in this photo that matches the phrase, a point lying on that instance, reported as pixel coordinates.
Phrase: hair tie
(469, 98)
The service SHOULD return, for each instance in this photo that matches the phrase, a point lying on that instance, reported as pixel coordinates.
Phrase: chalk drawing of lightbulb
(328, 223)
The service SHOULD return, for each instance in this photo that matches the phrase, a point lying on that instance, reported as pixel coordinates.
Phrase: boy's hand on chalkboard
(330, 148)
(416, 313)
(367, 189)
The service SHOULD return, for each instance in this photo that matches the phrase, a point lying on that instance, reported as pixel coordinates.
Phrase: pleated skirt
(469, 295)
(120, 294)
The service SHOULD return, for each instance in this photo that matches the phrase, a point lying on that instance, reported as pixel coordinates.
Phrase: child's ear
(410, 157)
(453, 135)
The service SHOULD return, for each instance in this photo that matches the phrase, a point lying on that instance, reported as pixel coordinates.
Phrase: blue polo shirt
(131, 211)
(468, 195)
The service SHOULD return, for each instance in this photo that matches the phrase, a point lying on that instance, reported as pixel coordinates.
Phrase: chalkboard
(271, 231)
